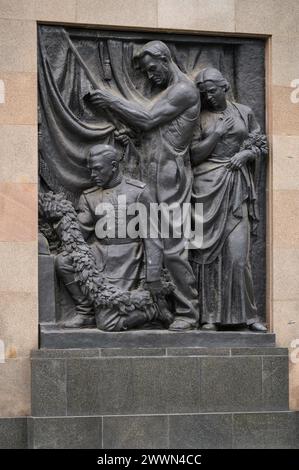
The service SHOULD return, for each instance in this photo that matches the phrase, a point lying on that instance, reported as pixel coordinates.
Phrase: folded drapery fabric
(67, 126)
(65, 133)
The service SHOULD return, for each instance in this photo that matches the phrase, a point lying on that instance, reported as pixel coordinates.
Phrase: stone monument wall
(18, 163)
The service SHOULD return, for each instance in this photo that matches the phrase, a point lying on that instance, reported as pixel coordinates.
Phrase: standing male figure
(168, 127)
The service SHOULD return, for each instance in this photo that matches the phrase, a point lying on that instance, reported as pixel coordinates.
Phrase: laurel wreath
(56, 208)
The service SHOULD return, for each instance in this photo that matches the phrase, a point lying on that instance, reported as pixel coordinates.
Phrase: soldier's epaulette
(137, 183)
(90, 190)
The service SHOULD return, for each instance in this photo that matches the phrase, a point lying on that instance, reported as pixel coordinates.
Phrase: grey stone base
(13, 433)
(136, 381)
(271, 430)
(59, 338)
(174, 397)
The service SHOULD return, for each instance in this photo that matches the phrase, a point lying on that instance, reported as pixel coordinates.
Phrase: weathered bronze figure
(125, 115)
(227, 143)
(119, 258)
(169, 123)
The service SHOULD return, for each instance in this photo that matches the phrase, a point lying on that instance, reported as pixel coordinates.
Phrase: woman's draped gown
(222, 264)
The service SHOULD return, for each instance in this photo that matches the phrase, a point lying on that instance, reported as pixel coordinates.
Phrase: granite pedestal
(150, 397)
(166, 397)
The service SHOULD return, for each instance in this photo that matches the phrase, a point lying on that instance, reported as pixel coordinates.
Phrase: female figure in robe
(229, 140)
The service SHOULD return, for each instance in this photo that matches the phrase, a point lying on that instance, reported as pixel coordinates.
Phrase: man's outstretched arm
(180, 98)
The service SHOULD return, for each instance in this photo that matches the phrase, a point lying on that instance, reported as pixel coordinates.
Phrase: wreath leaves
(100, 293)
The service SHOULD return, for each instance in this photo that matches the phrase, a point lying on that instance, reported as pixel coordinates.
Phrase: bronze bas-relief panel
(154, 118)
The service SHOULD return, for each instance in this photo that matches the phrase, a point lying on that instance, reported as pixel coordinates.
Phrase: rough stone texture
(17, 260)
(41, 10)
(264, 431)
(287, 327)
(18, 46)
(285, 324)
(13, 433)
(285, 261)
(286, 162)
(268, 17)
(55, 10)
(53, 337)
(18, 203)
(69, 383)
(19, 330)
(197, 15)
(294, 384)
(65, 433)
(122, 352)
(20, 105)
(231, 384)
(17, 9)
(275, 383)
(15, 394)
(284, 58)
(18, 323)
(198, 352)
(204, 431)
(135, 352)
(259, 352)
(104, 12)
(285, 113)
(135, 432)
(200, 431)
(133, 386)
(189, 20)
(64, 353)
(275, 430)
(286, 208)
(48, 394)
(18, 162)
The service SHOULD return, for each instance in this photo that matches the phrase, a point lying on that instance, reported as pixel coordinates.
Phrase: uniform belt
(118, 241)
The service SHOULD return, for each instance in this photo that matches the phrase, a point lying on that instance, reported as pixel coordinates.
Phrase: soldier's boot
(135, 319)
(163, 313)
(84, 317)
(157, 311)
